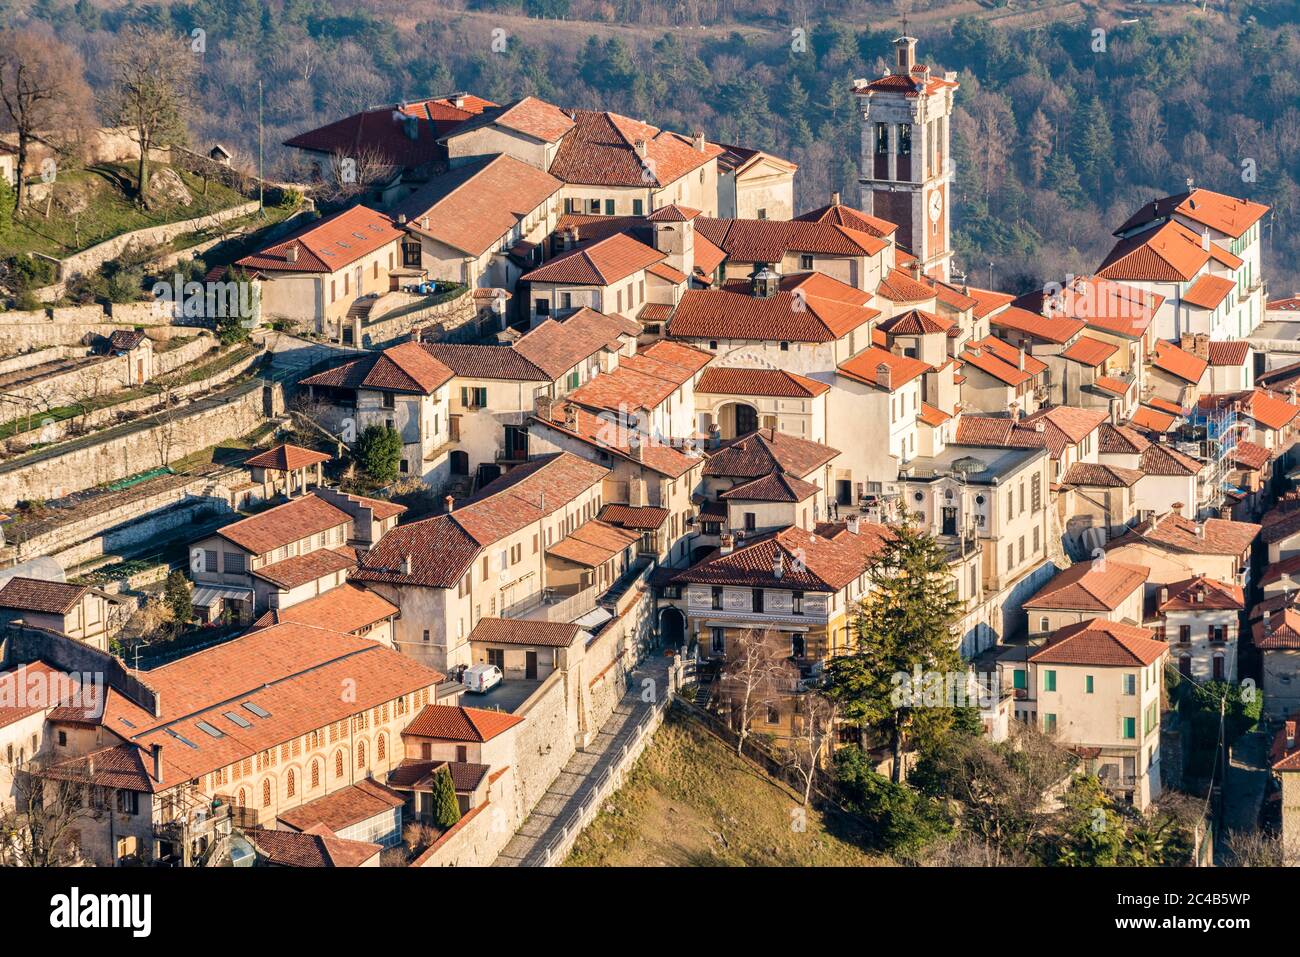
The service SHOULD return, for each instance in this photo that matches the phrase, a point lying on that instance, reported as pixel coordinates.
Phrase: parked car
(482, 678)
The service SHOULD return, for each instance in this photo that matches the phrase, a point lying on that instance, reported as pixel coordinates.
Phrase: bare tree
(42, 828)
(43, 94)
(152, 77)
(163, 417)
(350, 174)
(1254, 849)
(755, 677)
(812, 733)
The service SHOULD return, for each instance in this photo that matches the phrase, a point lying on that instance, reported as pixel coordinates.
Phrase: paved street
(575, 783)
(1244, 791)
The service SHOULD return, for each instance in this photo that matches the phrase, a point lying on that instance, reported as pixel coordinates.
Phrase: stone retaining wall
(455, 320)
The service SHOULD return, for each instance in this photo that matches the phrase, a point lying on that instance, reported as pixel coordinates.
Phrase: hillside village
(641, 423)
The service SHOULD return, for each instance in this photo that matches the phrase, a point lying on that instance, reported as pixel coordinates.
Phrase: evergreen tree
(1063, 179)
(906, 623)
(1094, 148)
(379, 453)
(446, 810)
(1039, 146)
(176, 593)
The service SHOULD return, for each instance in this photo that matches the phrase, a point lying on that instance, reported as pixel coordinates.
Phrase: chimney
(1200, 594)
(1205, 239)
(291, 253)
(1290, 735)
(715, 436)
(1020, 358)
(885, 377)
(406, 564)
(450, 502)
(458, 100)
(90, 765)
(1185, 341)
(156, 752)
(401, 219)
(835, 198)
(852, 524)
(571, 418)
(726, 542)
(1200, 530)
(1164, 594)
(641, 148)
(697, 140)
(778, 565)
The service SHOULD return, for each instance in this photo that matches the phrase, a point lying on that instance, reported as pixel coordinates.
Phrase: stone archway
(672, 628)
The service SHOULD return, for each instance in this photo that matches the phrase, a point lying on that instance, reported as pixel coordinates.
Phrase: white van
(481, 679)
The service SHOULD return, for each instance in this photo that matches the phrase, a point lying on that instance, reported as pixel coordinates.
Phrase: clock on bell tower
(906, 166)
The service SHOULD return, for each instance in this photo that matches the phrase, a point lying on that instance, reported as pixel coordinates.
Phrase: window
(805, 261)
(266, 793)
(209, 559)
(1130, 684)
(1087, 684)
(904, 139)
(1130, 729)
(315, 775)
(1184, 633)
(717, 596)
(542, 307)
(1044, 623)
(128, 802)
(1049, 723)
(762, 213)
(718, 641)
(882, 139)
(1036, 491)
(361, 755)
(773, 714)
(389, 400)
(638, 207)
(381, 747)
(289, 783)
(609, 207)
(796, 603)
(1019, 680)
(758, 599)
(338, 764)
(1049, 680)
(473, 397)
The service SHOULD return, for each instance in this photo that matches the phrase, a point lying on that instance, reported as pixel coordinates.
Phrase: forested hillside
(1059, 136)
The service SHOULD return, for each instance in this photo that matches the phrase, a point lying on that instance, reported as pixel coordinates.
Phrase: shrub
(379, 453)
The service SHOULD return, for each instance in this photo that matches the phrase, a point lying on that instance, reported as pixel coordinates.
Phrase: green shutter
(1049, 680)
(1130, 728)
(1088, 683)
(1018, 679)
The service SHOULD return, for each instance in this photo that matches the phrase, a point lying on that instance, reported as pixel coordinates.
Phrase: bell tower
(906, 164)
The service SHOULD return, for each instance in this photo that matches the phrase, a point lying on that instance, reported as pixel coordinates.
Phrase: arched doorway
(672, 628)
(459, 463)
(737, 418)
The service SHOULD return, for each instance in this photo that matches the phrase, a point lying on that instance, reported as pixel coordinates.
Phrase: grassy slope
(691, 802)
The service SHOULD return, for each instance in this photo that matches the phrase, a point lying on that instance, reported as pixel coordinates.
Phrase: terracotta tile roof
(595, 431)
(1251, 456)
(809, 307)
(639, 517)
(1096, 475)
(346, 608)
(988, 301)
(601, 150)
(349, 805)
(1199, 592)
(840, 215)
(1176, 533)
(1164, 405)
(1161, 459)
(384, 132)
(1229, 352)
(121, 767)
(770, 240)
(1120, 439)
(807, 561)
(301, 569)
(23, 690)
(1100, 586)
(124, 340)
(327, 245)
(1058, 330)
(1178, 362)
(1208, 291)
(623, 389)
(1010, 354)
(474, 361)
(898, 286)
(1102, 304)
(522, 631)
(708, 256)
(668, 273)
(932, 416)
(1281, 521)
(919, 81)
(777, 383)
(653, 312)
(1284, 754)
(1266, 408)
(1279, 631)
(600, 263)
(1289, 304)
(1113, 385)
(672, 213)
(418, 775)
(556, 347)
(286, 458)
(978, 356)
(448, 723)
(762, 452)
(1148, 418)
(531, 116)
(1065, 425)
(283, 524)
(471, 207)
(1168, 253)
(774, 487)
(916, 322)
(297, 849)
(441, 548)
(676, 354)
(1089, 351)
(35, 594)
(1102, 643)
(868, 366)
(737, 158)
(1227, 214)
(1276, 571)
(409, 368)
(593, 543)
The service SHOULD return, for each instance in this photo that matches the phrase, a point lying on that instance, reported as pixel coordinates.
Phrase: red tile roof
(346, 608)
(556, 347)
(916, 322)
(774, 487)
(932, 416)
(599, 432)
(447, 723)
(1090, 351)
(477, 361)
(1058, 330)
(349, 805)
(765, 382)
(38, 595)
(639, 517)
(600, 263)
(286, 458)
(1178, 362)
(767, 450)
(1102, 643)
(301, 569)
(1147, 418)
(1104, 305)
(1278, 631)
(1208, 291)
(770, 240)
(602, 150)
(410, 367)
(1233, 352)
(1266, 408)
(1172, 531)
(523, 631)
(807, 561)
(1169, 253)
(1199, 592)
(869, 366)
(840, 215)
(531, 116)
(919, 81)
(327, 245)
(593, 543)
(809, 307)
(1227, 214)
(317, 849)
(1096, 475)
(899, 286)
(1250, 455)
(284, 524)
(1101, 585)
(1161, 459)
(29, 689)
(1121, 439)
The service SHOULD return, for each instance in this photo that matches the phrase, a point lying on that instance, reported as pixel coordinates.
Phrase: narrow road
(575, 783)
(1244, 787)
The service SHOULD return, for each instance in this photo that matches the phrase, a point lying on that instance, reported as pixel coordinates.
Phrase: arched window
(361, 755)
(266, 793)
(381, 747)
(289, 783)
(241, 798)
(315, 775)
(338, 764)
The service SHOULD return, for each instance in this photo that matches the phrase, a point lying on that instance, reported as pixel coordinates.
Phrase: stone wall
(397, 315)
(36, 357)
(128, 450)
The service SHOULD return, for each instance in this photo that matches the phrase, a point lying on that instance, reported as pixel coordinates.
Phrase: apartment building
(1199, 620)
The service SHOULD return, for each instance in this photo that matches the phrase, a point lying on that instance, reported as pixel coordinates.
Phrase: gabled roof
(284, 524)
(1266, 408)
(1226, 214)
(1178, 362)
(448, 723)
(762, 452)
(525, 631)
(410, 367)
(1208, 291)
(477, 361)
(1104, 305)
(556, 347)
(1100, 586)
(1120, 439)
(1278, 631)
(473, 206)
(327, 245)
(808, 307)
(593, 543)
(770, 240)
(600, 263)
(1214, 536)
(777, 383)
(1168, 253)
(28, 689)
(869, 366)
(1101, 643)
(1056, 330)
(309, 567)
(642, 518)
(900, 287)
(318, 847)
(806, 561)
(1199, 592)
(1160, 459)
(286, 458)
(531, 116)
(774, 487)
(1096, 475)
(599, 433)
(346, 608)
(916, 322)
(1250, 455)
(840, 215)
(602, 150)
(38, 595)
